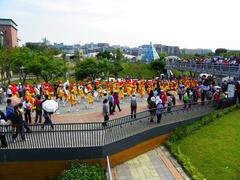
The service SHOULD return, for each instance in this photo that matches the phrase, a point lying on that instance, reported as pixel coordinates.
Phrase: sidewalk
(153, 165)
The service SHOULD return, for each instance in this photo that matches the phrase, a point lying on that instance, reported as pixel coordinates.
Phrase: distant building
(169, 50)
(9, 33)
(195, 51)
(149, 53)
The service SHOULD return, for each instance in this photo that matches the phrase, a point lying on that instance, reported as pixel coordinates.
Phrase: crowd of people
(162, 94)
(217, 60)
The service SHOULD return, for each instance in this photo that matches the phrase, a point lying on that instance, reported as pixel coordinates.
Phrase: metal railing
(74, 135)
(108, 170)
(215, 69)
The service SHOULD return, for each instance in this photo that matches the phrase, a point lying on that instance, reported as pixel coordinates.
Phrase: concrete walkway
(153, 165)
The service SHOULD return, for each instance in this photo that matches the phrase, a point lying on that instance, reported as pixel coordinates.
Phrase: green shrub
(81, 171)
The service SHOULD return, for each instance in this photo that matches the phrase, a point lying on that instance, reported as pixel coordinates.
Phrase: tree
(47, 67)
(86, 68)
(158, 66)
(104, 55)
(104, 68)
(220, 51)
(117, 68)
(162, 55)
(118, 55)
(22, 61)
(6, 64)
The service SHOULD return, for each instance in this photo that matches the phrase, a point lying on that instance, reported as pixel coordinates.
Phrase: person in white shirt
(2, 133)
(27, 111)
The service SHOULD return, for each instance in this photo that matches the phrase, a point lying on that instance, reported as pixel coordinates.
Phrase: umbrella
(15, 100)
(50, 106)
(181, 85)
(201, 86)
(217, 87)
(206, 88)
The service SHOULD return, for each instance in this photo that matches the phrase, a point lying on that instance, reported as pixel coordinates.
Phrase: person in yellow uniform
(65, 95)
(60, 93)
(32, 99)
(90, 98)
(81, 92)
(134, 87)
(128, 88)
(121, 90)
(149, 87)
(99, 88)
(141, 89)
(27, 93)
(73, 100)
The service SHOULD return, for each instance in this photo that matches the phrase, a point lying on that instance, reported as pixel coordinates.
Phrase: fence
(95, 135)
(215, 69)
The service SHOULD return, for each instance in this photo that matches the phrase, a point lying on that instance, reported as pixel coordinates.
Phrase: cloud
(187, 23)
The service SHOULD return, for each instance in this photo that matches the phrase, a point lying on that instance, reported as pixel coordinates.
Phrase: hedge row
(182, 132)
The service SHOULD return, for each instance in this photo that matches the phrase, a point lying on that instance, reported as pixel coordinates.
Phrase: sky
(185, 23)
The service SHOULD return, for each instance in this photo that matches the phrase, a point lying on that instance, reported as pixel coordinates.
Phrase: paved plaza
(92, 114)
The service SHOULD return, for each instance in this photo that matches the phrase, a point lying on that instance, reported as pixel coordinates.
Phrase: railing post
(108, 170)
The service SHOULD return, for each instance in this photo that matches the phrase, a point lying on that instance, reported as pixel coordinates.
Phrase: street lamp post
(22, 74)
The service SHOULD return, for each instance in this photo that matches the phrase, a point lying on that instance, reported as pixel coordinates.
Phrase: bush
(81, 171)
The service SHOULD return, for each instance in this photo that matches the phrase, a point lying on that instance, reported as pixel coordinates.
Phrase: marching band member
(149, 87)
(99, 88)
(128, 88)
(32, 98)
(108, 89)
(65, 94)
(81, 92)
(14, 90)
(73, 100)
(141, 89)
(60, 93)
(89, 97)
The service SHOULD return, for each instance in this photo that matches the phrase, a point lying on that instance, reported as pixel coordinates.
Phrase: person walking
(152, 108)
(110, 102)
(159, 110)
(27, 111)
(47, 116)
(48, 120)
(149, 97)
(3, 129)
(105, 112)
(133, 106)
(1, 94)
(20, 108)
(9, 109)
(116, 101)
(18, 121)
(185, 100)
(38, 104)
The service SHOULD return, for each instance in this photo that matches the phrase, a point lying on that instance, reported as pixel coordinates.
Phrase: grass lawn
(215, 149)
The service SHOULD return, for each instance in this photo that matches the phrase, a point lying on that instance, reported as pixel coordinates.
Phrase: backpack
(186, 98)
(133, 102)
(39, 107)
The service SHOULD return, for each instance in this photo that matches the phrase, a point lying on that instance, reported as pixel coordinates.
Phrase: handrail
(215, 69)
(108, 170)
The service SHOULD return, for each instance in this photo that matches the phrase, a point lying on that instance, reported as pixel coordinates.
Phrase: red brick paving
(86, 117)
